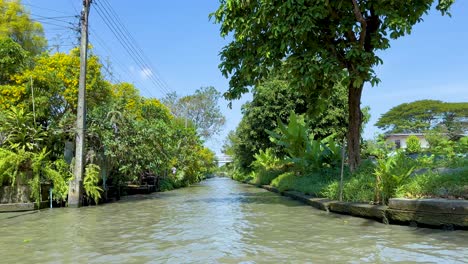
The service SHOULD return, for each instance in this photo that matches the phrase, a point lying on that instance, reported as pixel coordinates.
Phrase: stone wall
(432, 212)
(15, 194)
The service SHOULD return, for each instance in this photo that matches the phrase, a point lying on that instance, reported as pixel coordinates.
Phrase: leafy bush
(461, 146)
(20, 130)
(440, 144)
(60, 174)
(36, 169)
(305, 152)
(377, 147)
(166, 184)
(242, 176)
(90, 182)
(266, 167)
(390, 174)
(358, 187)
(11, 165)
(413, 145)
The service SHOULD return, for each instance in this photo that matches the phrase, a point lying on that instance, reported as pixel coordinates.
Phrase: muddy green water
(216, 221)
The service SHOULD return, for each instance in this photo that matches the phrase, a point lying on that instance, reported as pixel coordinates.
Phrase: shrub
(266, 167)
(413, 145)
(12, 165)
(305, 152)
(461, 146)
(359, 187)
(60, 174)
(37, 170)
(166, 184)
(90, 182)
(390, 174)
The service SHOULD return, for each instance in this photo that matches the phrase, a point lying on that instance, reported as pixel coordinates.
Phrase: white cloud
(146, 73)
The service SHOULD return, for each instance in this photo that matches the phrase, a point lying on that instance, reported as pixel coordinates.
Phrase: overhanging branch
(361, 20)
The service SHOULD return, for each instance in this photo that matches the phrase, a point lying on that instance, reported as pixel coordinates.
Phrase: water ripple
(218, 221)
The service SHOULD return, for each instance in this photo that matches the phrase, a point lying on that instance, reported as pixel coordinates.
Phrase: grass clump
(452, 184)
(358, 187)
(312, 183)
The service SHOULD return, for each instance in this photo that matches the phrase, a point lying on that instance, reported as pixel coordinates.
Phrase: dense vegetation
(320, 43)
(296, 159)
(128, 136)
(326, 52)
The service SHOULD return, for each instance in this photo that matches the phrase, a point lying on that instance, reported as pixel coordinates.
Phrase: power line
(54, 24)
(123, 36)
(125, 46)
(58, 18)
(119, 21)
(128, 45)
(102, 43)
(43, 8)
(138, 50)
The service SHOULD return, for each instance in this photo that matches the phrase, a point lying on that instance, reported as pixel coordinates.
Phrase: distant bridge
(223, 159)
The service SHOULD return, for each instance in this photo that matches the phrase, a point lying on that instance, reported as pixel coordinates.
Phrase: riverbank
(17, 199)
(434, 213)
(216, 221)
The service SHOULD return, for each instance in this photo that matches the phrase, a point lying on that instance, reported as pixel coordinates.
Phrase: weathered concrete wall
(15, 194)
(17, 207)
(18, 198)
(433, 212)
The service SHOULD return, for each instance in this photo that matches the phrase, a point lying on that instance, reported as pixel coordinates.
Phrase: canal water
(217, 221)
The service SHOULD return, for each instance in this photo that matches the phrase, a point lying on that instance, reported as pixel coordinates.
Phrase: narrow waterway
(216, 221)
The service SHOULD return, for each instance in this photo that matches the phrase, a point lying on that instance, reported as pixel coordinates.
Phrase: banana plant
(302, 149)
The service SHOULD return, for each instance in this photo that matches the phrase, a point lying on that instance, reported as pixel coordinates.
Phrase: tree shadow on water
(17, 214)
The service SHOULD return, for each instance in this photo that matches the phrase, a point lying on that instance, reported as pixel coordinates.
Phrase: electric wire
(43, 8)
(119, 21)
(126, 47)
(129, 45)
(127, 35)
(130, 48)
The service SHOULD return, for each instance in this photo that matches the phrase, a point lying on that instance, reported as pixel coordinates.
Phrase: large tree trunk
(354, 126)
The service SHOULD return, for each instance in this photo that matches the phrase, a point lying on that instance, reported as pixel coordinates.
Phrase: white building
(400, 139)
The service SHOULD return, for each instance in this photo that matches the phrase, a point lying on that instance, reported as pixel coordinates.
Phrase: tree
(201, 108)
(12, 59)
(423, 115)
(16, 23)
(55, 81)
(319, 41)
(273, 100)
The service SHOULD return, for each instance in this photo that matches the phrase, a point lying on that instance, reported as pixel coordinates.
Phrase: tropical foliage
(128, 136)
(318, 42)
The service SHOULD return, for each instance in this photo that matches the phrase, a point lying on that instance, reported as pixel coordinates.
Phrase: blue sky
(183, 47)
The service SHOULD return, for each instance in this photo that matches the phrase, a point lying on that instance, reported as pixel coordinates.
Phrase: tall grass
(452, 184)
(312, 183)
(358, 187)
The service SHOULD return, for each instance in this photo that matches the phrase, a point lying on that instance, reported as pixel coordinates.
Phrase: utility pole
(75, 192)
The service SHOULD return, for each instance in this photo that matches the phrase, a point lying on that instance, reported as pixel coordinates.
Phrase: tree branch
(360, 19)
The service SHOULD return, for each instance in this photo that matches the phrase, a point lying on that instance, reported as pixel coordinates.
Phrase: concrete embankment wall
(428, 212)
(18, 198)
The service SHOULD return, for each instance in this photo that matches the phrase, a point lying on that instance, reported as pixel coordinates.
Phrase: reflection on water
(217, 221)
